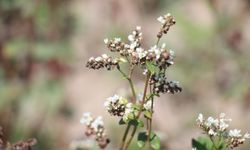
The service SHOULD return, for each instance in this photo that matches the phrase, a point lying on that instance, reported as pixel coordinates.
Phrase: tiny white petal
(98, 59)
(163, 45)
(200, 118)
(104, 56)
(247, 136)
(106, 41)
(235, 133)
(138, 28)
(131, 38)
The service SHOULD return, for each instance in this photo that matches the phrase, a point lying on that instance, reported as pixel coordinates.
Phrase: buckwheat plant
(219, 136)
(137, 109)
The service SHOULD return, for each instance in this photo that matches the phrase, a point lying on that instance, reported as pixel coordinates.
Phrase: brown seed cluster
(103, 61)
(167, 21)
(235, 142)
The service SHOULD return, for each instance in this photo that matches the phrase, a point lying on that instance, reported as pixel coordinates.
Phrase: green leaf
(151, 67)
(203, 143)
(137, 106)
(141, 139)
(148, 114)
(138, 123)
(155, 141)
(198, 145)
(122, 122)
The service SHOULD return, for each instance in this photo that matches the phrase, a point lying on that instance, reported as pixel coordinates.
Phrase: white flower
(96, 123)
(211, 121)
(141, 53)
(86, 119)
(222, 115)
(167, 15)
(171, 53)
(235, 133)
(223, 126)
(145, 71)
(113, 99)
(200, 118)
(128, 111)
(133, 45)
(155, 50)
(106, 41)
(98, 58)
(105, 56)
(138, 28)
(161, 20)
(211, 132)
(148, 105)
(117, 40)
(246, 136)
(91, 58)
(131, 38)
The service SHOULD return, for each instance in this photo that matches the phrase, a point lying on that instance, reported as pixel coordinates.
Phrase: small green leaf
(148, 114)
(122, 122)
(151, 67)
(137, 106)
(133, 122)
(140, 123)
(202, 143)
(197, 145)
(141, 139)
(155, 141)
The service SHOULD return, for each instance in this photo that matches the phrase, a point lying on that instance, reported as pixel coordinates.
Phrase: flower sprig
(95, 127)
(217, 129)
(154, 62)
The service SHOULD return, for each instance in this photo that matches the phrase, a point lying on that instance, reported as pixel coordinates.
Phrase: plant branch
(140, 111)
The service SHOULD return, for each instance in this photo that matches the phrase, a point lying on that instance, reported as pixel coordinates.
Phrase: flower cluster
(101, 62)
(116, 105)
(167, 21)
(133, 50)
(95, 126)
(219, 127)
(119, 106)
(161, 85)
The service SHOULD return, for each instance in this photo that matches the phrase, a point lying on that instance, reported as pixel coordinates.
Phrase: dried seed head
(103, 61)
(167, 21)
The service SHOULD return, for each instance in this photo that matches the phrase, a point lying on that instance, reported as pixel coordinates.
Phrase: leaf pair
(154, 140)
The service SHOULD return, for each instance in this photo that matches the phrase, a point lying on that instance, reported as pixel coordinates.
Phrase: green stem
(134, 99)
(150, 119)
(214, 145)
(124, 137)
(140, 111)
(158, 40)
(128, 77)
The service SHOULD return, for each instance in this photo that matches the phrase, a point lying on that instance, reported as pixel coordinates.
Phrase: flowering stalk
(154, 62)
(141, 109)
(220, 137)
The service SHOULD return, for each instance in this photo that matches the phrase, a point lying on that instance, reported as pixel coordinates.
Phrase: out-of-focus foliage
(34, 56)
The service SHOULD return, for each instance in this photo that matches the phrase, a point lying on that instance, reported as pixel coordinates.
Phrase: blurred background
(45, 87)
